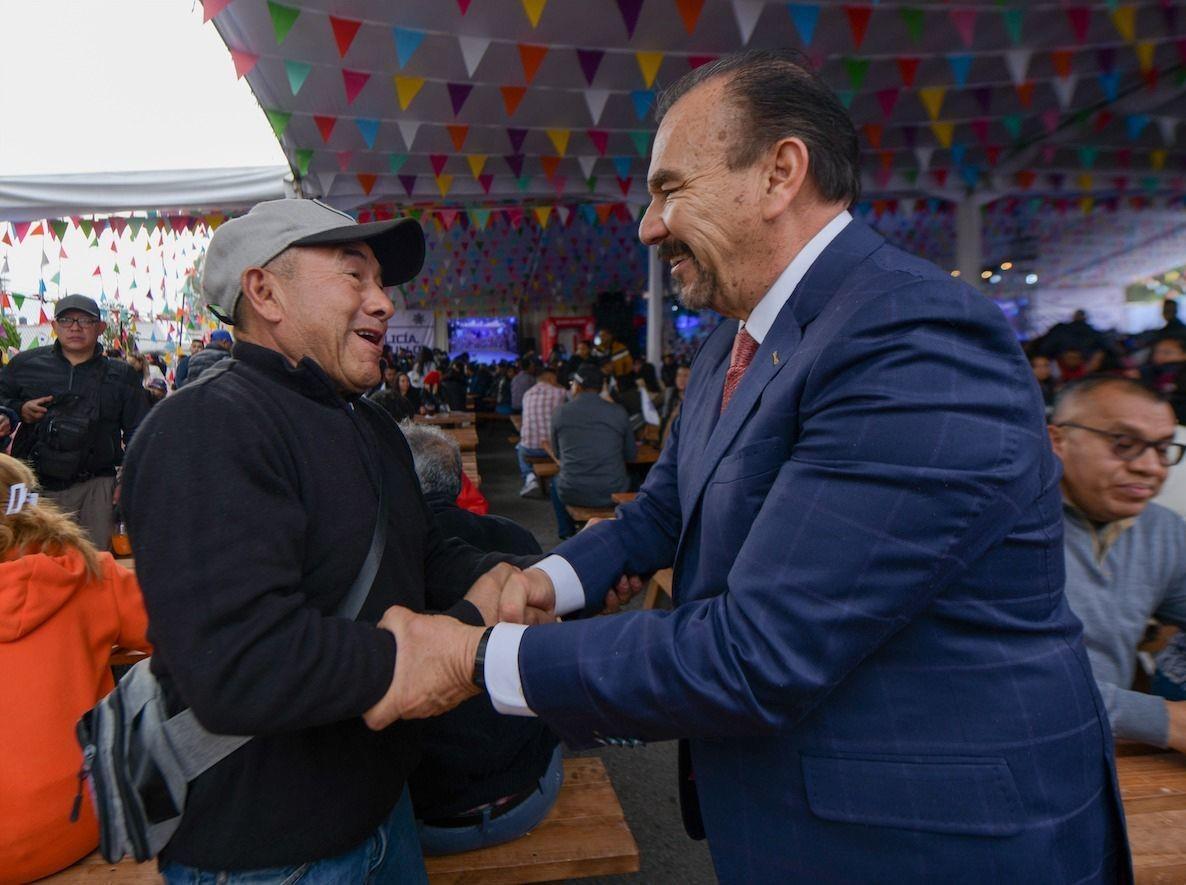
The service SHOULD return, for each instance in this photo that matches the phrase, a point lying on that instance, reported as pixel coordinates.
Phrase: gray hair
(438, 459)
(1075, 393)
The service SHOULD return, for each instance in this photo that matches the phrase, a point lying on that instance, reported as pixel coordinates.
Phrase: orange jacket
(57, 627)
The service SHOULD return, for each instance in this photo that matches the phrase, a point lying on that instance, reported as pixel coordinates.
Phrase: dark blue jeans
(389, 855)
(565, 527)
(519, 820)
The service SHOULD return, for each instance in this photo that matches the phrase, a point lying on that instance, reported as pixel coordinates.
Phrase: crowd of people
(896, 575)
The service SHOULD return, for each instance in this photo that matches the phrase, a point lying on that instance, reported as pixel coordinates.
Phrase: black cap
(77, 302)
(588, 375)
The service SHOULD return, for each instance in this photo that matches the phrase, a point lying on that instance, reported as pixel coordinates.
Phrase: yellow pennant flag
(542, 214)
(534, 9)
(648, 63)
(406, 89)
(1125, 20)
(1157, 159)
(444, 184)
(477, 162)
(559, 139)
(932, 99)
(1085, 182)
(1086, 204)
(943, 132)
(1145, 55)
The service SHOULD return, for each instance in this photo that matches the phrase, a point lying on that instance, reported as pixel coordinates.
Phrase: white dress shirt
(502, 651)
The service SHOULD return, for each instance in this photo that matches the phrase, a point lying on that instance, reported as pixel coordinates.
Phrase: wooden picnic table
(645, 455)
(1153, 788)
(447, 419)
(623, 497)
(467, 437)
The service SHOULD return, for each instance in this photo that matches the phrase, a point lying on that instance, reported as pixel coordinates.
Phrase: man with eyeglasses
(1125, 556)
(78, 410)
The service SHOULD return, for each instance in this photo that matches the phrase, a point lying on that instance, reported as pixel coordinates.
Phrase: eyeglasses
(81, 322)
(1129, 448)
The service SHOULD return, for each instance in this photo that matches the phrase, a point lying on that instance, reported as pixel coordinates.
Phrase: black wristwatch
(480, 660)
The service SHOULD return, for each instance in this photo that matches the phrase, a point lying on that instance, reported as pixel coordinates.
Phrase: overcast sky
(89, 86)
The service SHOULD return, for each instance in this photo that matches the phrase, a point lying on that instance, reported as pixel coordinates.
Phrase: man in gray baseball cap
(288, 477)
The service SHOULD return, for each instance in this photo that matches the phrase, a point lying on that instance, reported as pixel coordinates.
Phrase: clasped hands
(434, 664)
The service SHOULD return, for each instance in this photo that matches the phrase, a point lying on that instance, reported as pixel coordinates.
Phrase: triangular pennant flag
(1087, 155)
(857, 69)
(960, 66)
(695, 61)
(587, 164)
(211, 8)
(244, 62)
(1018, 62)
(1110, 82)
(747, 13)
(458, 135)
(595, 99)
(957, 154)
(923, 156)
(1157, 159)
(542, 214)
(1168, 127)
(283, 18)
(534, 9)
(624, 185)
(644, 100)
(511, 97)
(473, 49)
(438, 162)
(477, 162)
(367, 180)
(965, 24)
(515, 164)
(479, 218)
(407, 42)
(1064, 89)
(590, 61)
(689, 11)
(932, 99)
(354, 81)
(943, 131)
(630, 10)
(858, 22)
(369, 130)
(444, 184)
(1080, 19)
(846, 96)
(278, 120)
(648, 64)
(1062, 59)
(408, 182)
(325, 126)
(297, 72)
(622, 166)
(1125, 20)
(531, 57)
(523, 182)
(887, 98)
(940, 176)
(59, 228)
(406, 89)
(642, 141)
(559, 139)
(908, 68)
(485, 181)
(345, 30)
(913, 19)
(600, 140)
(407, 131)
(549, 165)
(516, 137)
(1145, 53)
(1013, 18)
(873, 133)
(303, 156)
(395, 162)
(804, 16)
(1025, 93)
(1051, 119)
(458, 93)
(344, 160)
(1012, 123)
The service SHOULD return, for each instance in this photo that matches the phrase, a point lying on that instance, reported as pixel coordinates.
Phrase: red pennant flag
(993, 153)
(1062, 59)
(858, 22)
(689, 11)
(1102, 120)
(486, 181)
(940, 176)
(980, 128)
(1026, 178)
(438, 162)
(873, 134)
(344, 158)
(511, 97)
(695, 61)
(244, 62)
(458, 133)
(531, 58)
(354, 81)
(1025, 93)
(514, 215)
(367, 180)
(604, 210)
(326, 126)
(345, 30)
(42, 318)
(624, 184)
(211, 8)
(887, 98)
(549, 164)
(908, 67)
(97, 272)
(1080, 19)
(600, 140)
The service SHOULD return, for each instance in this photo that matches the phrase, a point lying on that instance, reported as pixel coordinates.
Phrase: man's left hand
(506, 594)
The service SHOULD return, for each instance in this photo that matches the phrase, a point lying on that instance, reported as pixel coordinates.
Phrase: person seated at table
(593, 441)
(430, 394)
(1166, 372)
(1125, 556)
(63, 605)
(522, 383)
(453, 388)
(397, 406)
(539, 403)
(673, 401)
(483, 778)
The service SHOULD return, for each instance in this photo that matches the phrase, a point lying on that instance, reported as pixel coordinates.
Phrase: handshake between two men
(435, 654)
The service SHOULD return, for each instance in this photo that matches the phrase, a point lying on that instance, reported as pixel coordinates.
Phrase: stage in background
(485, 339)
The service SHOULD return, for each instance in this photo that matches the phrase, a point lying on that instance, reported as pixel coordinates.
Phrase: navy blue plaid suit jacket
(870, 650)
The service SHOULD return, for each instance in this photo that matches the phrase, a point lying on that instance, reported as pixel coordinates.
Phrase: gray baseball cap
(254, 239)
(76, 302)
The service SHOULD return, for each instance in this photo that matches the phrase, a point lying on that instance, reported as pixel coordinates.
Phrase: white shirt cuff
(502, 670)
(570, 595)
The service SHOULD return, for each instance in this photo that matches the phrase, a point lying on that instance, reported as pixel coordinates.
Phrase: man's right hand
(1177, 714)
(34, 410)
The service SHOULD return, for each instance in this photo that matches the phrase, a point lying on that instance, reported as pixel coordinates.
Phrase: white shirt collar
(767, 310)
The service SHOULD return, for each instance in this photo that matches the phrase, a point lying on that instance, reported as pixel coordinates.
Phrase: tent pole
(968, 250)
(654, 306)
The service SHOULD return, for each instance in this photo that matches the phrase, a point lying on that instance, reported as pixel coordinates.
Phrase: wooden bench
(660, 583)
(623, 497)
(467, 437)
(1153, 787)
(581, 515)
(585, 834)
(517, 420)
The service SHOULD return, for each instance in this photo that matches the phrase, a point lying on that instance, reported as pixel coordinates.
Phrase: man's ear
(260, 288)
(1057, 439)
(786, 175)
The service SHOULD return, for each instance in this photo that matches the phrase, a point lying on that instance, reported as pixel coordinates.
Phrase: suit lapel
(699, 414)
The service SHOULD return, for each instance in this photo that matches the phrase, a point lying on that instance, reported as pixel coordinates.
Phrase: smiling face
(703, 214)
(1101, 485)
(331, 307)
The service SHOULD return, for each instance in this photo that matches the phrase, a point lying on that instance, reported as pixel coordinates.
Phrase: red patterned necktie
(744, 348)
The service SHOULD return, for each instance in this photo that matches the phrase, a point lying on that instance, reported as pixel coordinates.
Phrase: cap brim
(398, 245)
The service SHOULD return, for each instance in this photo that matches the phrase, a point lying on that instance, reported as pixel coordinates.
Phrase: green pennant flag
(857, 69)
(283, 18)
(303, 156)
(134, 225)
(911, 175)
(56, 279)
(60, 228)
(133, 286)
(1012, 18)
(592, 183)
(1012, 123)
(1087, 156)
(396, 162)
(20, 301)
(642, 141)
(913, 19)
(524, 182)
(479, 218)
(298, 72)
(87, 227)
(279, 121)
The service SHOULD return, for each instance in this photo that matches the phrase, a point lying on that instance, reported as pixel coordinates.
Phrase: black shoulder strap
(356, 596)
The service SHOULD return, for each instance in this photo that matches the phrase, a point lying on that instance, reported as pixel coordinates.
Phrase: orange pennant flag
(458, 133)
(531, 57)
(511, 96)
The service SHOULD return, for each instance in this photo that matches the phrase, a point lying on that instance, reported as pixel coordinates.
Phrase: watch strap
(480, 659)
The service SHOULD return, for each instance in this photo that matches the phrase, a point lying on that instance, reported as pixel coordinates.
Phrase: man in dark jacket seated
(484, 778)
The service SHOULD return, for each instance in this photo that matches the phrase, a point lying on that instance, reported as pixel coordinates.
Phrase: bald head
(1081, 400)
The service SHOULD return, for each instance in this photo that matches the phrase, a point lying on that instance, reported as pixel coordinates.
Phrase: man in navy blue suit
(871, 665)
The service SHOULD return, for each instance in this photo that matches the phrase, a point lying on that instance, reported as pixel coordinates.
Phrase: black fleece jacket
(251, 498)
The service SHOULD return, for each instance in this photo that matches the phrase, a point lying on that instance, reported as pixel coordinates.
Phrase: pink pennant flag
(354, 81)
(980, 128)
(244, 62)
(438, 162)
(965, 23)
(1080, 19)
(344, 158)
(21, 229)
(1050, 119)
(600, 139)
(211, 8)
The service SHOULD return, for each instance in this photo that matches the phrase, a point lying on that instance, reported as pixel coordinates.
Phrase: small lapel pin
(774, 357)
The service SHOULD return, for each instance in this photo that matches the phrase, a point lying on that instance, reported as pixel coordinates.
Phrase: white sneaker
(531, 484)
